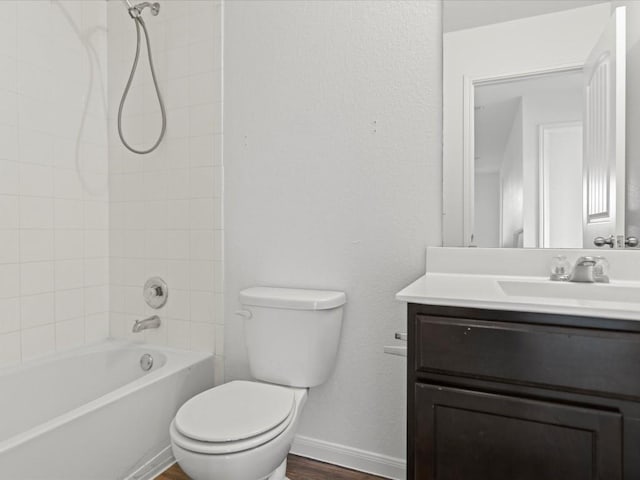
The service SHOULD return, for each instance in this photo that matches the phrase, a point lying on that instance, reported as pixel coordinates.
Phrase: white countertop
(510, 292)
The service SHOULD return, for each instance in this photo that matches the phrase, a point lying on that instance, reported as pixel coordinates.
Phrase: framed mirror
(534, 123)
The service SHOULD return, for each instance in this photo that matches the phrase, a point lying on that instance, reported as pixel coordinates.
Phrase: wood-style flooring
(298, 468)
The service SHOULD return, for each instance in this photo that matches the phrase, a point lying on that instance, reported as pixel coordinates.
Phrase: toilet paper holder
(398, 350)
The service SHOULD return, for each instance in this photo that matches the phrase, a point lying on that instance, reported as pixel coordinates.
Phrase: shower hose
(140, 23)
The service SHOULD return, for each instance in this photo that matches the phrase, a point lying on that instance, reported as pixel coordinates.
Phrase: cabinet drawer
(592, 361)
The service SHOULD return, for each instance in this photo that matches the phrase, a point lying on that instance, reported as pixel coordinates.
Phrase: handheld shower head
(136, 10)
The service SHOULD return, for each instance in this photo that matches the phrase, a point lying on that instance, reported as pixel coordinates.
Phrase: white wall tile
(9, 212)
(70, 334)
(69, 304)
(9, 315)
(9, 280)
(203, 306)
(38, 341)
(203, 245)
(10, 348)
(36, 310)
(69, 244)
(36, 245)
(69, 274)
(36, 278)
(202, 182)
(203, 337)
(202, 151)
(165, 210)
(36, 212)
(96, 299)
(53, 171)
(96, 272)
(179, 333)
(9, 246)
(8, 142)
(9, 175)
(36, 180)
(96, 327)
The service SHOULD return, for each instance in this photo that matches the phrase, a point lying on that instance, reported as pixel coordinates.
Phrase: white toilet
(243, 430)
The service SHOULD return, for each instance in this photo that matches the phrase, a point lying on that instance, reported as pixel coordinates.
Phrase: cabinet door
(467, 435)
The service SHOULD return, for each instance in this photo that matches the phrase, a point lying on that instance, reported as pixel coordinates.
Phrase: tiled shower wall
(53, 177)
(165, 210)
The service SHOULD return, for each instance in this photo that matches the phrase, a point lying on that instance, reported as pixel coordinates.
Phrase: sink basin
(577, 291)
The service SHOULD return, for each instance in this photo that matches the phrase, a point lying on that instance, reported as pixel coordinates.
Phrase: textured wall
(165, 207)
(53, 177)
(333, 180)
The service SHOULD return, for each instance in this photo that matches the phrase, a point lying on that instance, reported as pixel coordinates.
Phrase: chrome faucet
(589, 270)
(151, 322)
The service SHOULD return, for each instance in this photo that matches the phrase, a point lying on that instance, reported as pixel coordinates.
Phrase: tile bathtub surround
(165, 208)
(53, 177)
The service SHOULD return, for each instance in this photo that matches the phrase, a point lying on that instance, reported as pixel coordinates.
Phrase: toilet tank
(292, 334)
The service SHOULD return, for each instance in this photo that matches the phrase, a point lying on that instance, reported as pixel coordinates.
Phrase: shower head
(136, 10)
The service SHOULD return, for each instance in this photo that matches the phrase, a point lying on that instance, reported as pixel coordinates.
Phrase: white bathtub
(94, 414)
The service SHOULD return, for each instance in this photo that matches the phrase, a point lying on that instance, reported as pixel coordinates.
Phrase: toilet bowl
(251, 434)
(243, 430)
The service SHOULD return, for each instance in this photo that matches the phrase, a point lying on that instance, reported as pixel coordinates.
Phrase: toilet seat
(233, 417)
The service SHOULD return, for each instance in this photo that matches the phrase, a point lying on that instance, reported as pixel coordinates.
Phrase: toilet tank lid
(292, 298)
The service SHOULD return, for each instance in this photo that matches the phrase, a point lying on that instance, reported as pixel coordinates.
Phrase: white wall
(512, 185)
(333, 180)
(165, 210)
(53, 177)
(535, 43)
(487, 209)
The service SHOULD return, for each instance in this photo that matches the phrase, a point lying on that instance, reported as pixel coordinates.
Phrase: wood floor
(298, 468)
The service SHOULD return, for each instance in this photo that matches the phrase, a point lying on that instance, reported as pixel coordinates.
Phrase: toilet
(243, 430)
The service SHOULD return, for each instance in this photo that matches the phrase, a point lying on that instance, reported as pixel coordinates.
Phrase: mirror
(534, 122)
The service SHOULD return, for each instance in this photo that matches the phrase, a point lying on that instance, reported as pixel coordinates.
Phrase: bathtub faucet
(151, 322)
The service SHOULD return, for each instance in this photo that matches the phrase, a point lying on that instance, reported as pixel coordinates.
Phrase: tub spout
(151, 322)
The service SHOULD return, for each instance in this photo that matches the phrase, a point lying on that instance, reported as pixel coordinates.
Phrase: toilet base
(280, 472)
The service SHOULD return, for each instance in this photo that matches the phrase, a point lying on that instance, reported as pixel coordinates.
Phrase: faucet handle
(560, 268)
(155, 292)
(601, 270)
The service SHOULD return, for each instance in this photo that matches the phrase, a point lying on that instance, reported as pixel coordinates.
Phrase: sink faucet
(151, 322)
(589, 270)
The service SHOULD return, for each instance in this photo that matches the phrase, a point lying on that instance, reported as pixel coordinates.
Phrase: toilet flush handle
(246, 314)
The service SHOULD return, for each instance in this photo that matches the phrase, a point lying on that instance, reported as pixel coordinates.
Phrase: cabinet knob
(401, 336)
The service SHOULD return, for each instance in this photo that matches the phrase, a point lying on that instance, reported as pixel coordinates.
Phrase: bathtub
(94, 413)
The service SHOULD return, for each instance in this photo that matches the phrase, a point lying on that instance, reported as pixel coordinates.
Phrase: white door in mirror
(604, 134)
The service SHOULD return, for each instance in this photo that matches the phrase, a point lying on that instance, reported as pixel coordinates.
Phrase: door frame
(468, 132)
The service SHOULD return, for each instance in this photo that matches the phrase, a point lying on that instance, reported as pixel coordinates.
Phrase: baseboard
(155, 466)
(349, 457)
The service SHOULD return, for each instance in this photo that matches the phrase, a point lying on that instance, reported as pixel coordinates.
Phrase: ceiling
(461, 14)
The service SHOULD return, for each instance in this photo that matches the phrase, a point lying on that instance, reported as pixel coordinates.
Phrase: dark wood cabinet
(495, 395)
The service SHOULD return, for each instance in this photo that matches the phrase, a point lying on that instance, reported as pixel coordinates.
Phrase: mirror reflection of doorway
(509, 115)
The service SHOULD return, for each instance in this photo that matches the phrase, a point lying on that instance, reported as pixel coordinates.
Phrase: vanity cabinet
(498, 395)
